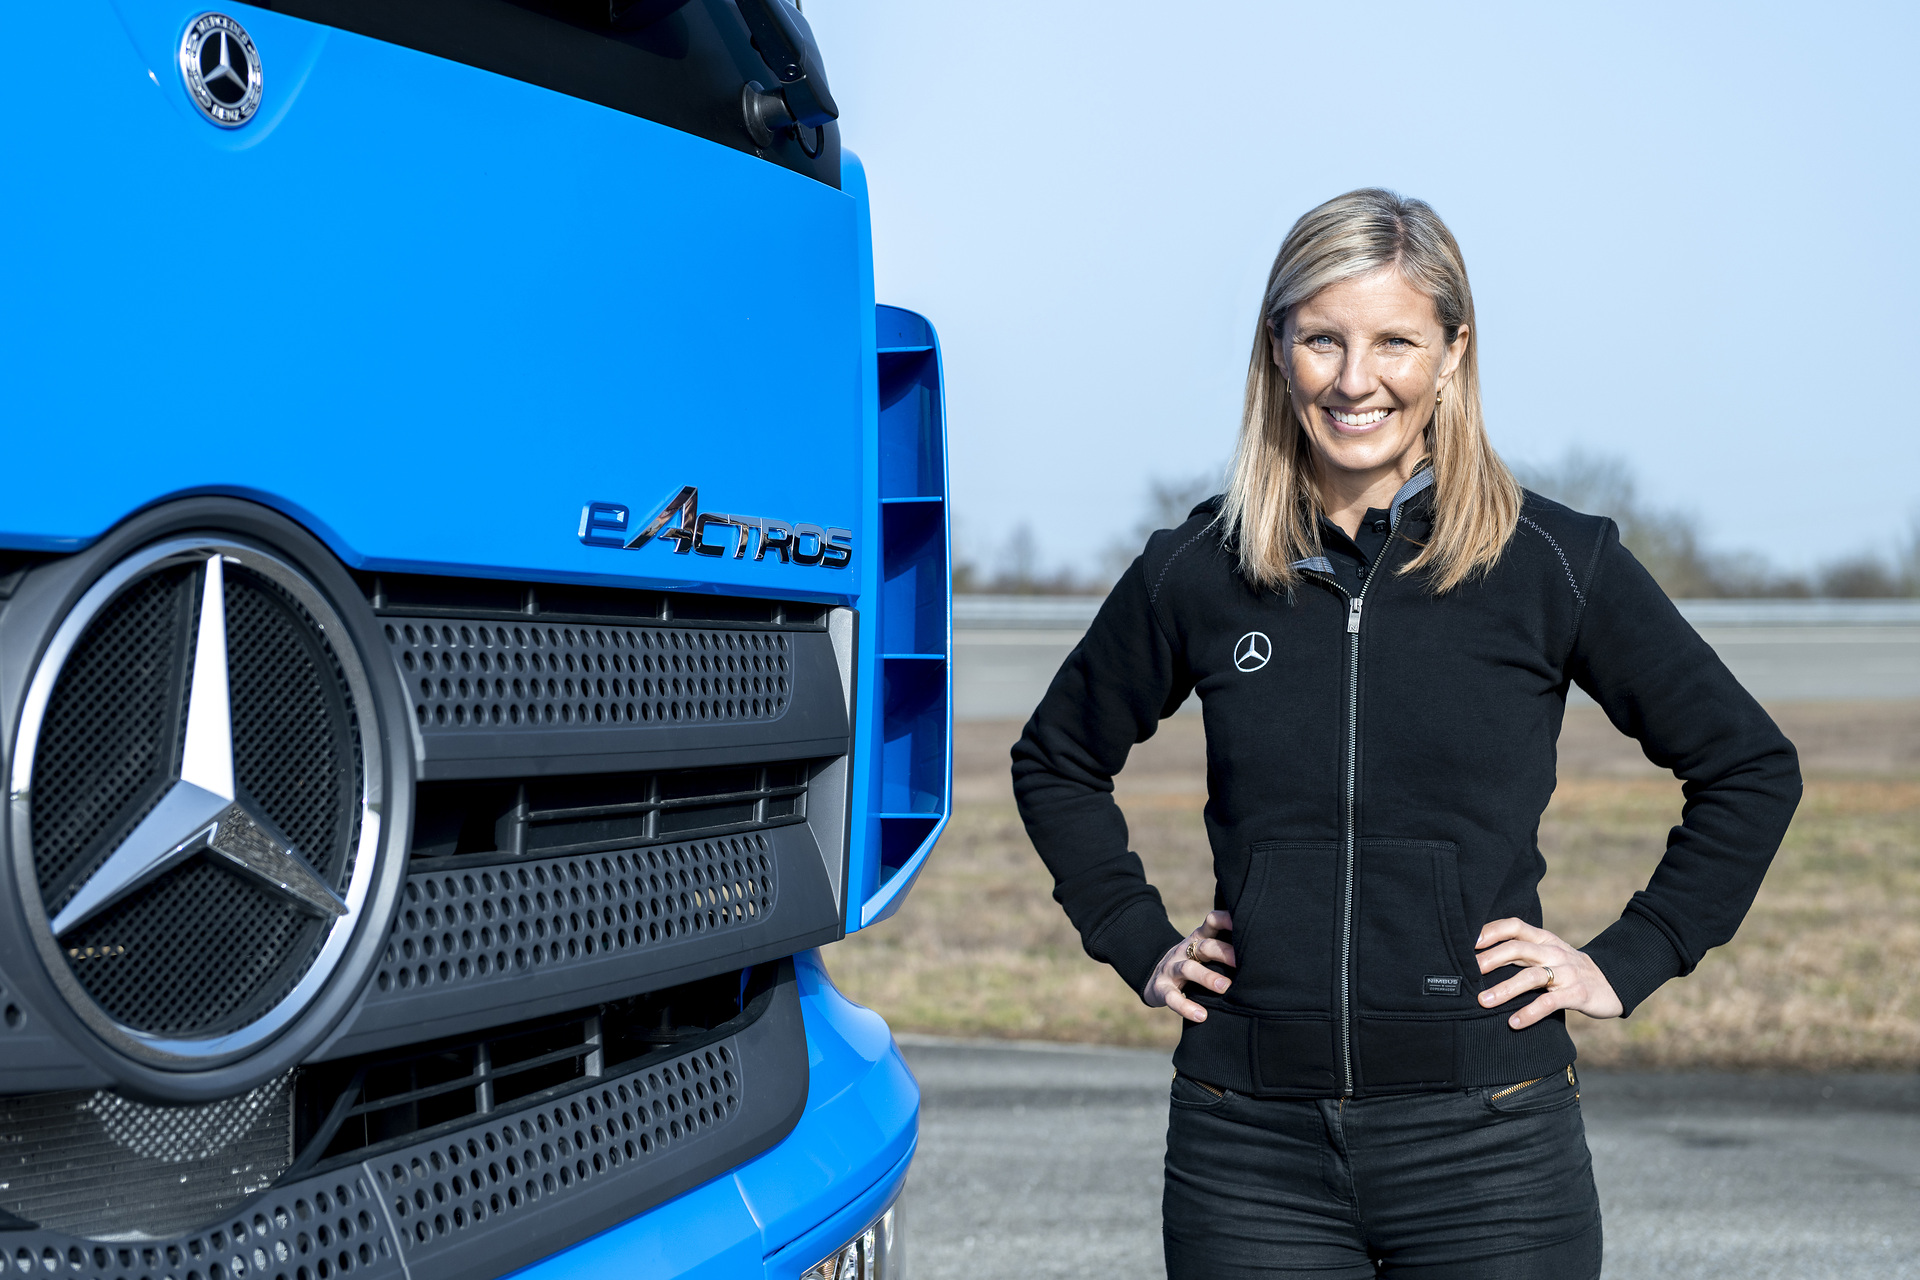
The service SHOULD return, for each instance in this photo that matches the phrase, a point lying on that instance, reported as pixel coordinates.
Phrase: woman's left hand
(1571, 979)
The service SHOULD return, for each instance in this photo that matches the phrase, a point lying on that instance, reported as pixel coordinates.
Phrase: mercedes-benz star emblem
(1252, 651)
(222, 69)
(200, 812)
(197, 782)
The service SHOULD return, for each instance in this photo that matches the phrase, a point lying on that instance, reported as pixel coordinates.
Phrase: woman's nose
(1358, 378)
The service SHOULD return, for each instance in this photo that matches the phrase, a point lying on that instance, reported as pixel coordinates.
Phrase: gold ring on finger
(1549, 969)
(1193, 949)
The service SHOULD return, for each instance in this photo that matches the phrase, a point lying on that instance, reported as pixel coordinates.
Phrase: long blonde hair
(1272, 502)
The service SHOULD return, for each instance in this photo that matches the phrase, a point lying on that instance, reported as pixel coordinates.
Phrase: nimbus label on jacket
(1448, 985)
(712, 533)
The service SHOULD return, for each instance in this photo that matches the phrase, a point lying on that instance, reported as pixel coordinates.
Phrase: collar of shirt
(1340, 552)
(1353, 556)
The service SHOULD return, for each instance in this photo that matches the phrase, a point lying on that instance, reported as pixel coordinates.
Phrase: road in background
(1044, 1161)
(1007, 648)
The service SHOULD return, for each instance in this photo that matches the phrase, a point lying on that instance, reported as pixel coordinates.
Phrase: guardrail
(1007, 648)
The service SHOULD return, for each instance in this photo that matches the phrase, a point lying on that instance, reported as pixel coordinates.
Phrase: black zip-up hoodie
(1377, 763)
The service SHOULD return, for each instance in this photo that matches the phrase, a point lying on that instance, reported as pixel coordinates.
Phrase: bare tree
(1170, 500)
(1668, 542)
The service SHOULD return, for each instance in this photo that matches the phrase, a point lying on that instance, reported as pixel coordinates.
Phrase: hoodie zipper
(1354, 605)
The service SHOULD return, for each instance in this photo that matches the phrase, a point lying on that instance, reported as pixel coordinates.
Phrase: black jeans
(1477, 1184)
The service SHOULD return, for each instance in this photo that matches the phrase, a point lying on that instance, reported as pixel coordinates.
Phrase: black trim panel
(804, 914)
(814, 724)
(684, 70)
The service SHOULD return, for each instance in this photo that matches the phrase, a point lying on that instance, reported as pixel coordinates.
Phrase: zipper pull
(1353, 616)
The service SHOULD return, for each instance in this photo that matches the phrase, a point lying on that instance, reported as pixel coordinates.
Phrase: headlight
(871, 1255)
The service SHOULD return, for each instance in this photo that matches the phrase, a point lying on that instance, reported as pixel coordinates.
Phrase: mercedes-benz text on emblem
(1252, 651)
(195, 801)
(222, 69)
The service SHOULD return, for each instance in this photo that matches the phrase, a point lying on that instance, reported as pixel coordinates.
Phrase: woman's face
(1366, 358)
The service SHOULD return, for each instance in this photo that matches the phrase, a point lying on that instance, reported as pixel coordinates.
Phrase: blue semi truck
(474, 622)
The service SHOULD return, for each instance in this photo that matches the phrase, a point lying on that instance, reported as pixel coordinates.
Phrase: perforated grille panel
(501, 675)
(514, 1165)
(108, 749)
(488, 924)
(422, 1199)
(313, 1230)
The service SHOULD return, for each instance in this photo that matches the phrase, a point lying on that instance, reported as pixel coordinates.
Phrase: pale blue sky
(1691, 232)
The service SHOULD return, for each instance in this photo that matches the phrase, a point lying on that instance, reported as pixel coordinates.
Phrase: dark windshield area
(681, 64)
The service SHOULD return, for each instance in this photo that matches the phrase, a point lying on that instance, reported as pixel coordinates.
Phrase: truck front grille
(452, 1134)
(472, 823)
(459, 928)
(508, 878)
(351, 1108)
(96, 1164)
(521, 675)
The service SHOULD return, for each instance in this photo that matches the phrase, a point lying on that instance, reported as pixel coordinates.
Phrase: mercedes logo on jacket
(1252, 651)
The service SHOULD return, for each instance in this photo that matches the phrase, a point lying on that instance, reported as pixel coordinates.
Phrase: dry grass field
(1825, 974)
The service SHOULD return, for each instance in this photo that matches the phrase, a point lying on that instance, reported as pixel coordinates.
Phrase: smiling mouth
(1358, 417)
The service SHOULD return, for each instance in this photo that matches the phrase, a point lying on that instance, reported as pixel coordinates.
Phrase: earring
(1440, 396)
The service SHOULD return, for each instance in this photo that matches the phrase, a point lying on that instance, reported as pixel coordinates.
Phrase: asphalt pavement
(1044, 1161)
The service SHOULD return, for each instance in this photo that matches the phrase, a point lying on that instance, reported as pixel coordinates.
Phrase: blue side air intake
(912, 777)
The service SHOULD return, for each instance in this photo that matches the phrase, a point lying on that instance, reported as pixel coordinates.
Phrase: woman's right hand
(1181, 965)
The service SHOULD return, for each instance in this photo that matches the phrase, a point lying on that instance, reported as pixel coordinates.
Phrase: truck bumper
(790, 1206)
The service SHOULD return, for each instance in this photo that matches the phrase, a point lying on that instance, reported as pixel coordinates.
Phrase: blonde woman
(1374, 1075)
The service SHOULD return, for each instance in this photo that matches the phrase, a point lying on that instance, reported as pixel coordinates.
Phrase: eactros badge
(681, 522)
(222, 69)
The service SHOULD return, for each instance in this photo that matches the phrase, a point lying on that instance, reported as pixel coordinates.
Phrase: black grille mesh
(511, 1166)
(315, 1229)
(296, 755)
(492, 924)
(112, 729)
(95, 1163)
(193, 953)
(296, 743)
(505, 1166)
(525, 676)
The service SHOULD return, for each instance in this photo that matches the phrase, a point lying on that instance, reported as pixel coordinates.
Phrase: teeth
(1365, 419)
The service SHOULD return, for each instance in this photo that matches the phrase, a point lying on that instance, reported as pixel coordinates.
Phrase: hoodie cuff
(1134, 940)
(1636, 956)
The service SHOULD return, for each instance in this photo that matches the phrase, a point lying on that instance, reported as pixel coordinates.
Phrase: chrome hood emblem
(221, 69)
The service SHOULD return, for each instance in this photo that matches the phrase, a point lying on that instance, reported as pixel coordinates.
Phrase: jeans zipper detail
(1354, 605)
(1515, 1088)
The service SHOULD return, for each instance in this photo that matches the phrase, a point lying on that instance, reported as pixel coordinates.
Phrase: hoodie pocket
(1284, 927)
(1412, 949)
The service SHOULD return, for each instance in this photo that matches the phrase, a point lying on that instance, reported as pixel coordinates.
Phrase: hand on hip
(1569, 978)
(1182, 964)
